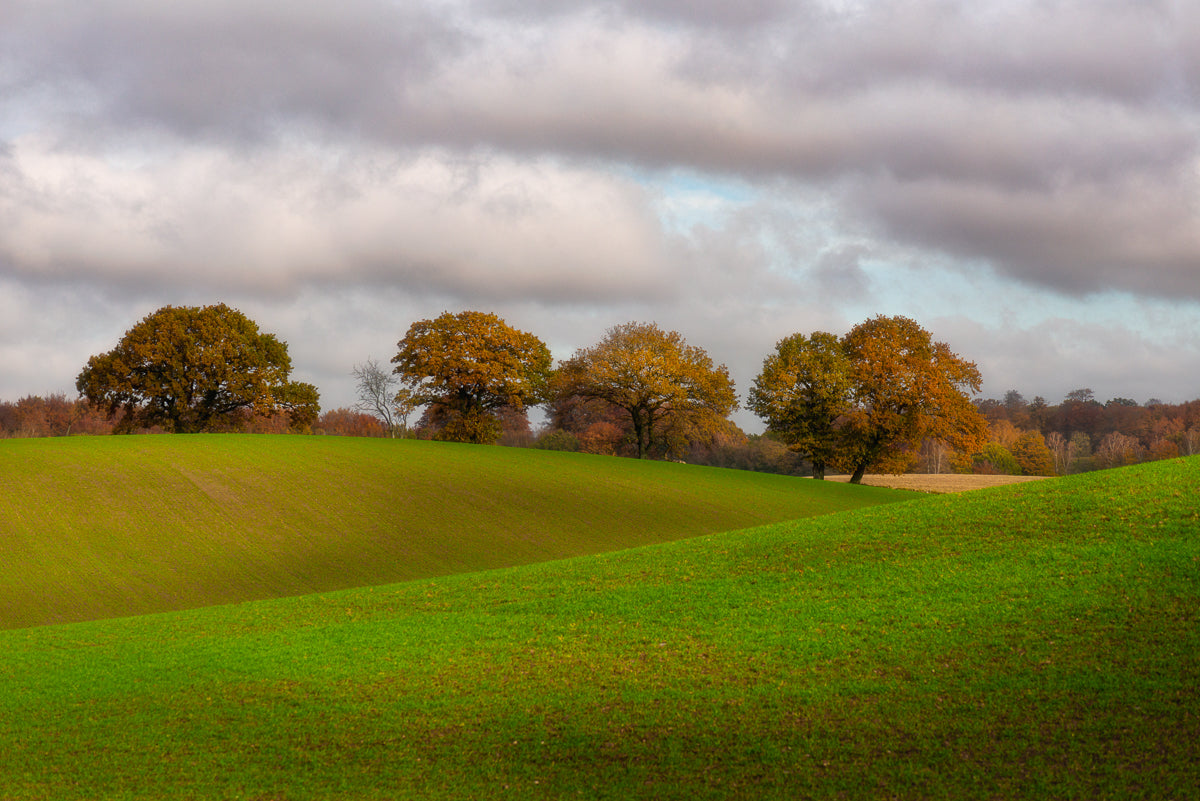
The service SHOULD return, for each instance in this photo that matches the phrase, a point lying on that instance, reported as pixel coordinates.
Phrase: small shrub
(995, 459)
(557, 440)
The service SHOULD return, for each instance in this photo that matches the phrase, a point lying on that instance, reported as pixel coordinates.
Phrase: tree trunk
(638, 432)
(818, 470)
(649, 431)
(860, 470)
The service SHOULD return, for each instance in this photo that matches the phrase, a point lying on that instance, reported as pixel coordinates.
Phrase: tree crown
(474, 355)
(184, 367)
(655, 376)
(469, 366)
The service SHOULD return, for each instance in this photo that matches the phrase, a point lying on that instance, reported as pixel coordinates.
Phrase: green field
(1034, 641)
(97, 527)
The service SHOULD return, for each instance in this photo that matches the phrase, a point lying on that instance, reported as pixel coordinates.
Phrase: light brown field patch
(938, 483)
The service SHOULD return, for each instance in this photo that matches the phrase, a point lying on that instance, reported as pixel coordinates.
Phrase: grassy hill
(1035, 641)
(94, 527)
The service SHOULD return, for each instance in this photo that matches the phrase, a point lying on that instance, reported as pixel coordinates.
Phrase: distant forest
(1027, 436)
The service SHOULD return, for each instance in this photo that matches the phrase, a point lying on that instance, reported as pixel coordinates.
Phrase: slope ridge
(111, 526)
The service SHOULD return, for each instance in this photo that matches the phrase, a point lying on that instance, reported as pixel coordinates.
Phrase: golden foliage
(665, 385)
(906, 387)
(469, 365)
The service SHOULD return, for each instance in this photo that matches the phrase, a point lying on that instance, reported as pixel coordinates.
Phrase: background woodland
(1079, 433)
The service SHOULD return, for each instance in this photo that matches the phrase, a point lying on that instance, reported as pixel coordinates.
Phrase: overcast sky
(1022, 178)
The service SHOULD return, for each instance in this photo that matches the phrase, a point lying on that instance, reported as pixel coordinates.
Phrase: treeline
(1082, 434)
(884, 397)
(731, 447)
(51, 416)
(1025, 436)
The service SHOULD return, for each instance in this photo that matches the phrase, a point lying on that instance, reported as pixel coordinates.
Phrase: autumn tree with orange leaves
(907, 388)
(662, 383)
(466, 367)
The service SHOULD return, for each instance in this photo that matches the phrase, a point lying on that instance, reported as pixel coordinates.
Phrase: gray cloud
(691, 13)
(1060, 354)
(1134, 233)
(223, 69)
(1120, 49)
(488, 228)
(524, 156)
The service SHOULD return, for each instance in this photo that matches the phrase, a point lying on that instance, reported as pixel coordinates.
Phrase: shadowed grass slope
(94, 527)
(1035, 641)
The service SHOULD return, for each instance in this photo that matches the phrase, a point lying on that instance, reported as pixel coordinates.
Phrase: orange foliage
(343, 422)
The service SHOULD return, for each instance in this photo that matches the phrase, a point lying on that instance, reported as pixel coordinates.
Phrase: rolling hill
(94, 527)
(1033, 641)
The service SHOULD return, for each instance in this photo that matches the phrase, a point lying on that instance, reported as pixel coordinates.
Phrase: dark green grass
(1036, 641)
(94, 527)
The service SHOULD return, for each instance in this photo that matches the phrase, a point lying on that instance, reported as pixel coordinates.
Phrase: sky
(1021, 178)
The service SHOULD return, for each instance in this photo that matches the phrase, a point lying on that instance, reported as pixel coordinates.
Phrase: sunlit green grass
(94, 527)
(1036, 641)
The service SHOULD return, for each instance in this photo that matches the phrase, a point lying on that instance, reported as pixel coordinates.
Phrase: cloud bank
(740, 170)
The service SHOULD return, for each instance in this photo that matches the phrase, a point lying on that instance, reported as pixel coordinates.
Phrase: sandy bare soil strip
(942, 482)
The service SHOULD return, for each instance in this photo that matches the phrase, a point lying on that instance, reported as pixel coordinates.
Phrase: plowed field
(938, 483)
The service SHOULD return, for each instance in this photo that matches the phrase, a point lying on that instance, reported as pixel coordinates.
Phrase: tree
(803, 389)
(301, 403)
(1038, 411)
(995, 459)
(378, 395)
(1017, 408)
(660, 381)
(1190, 441)
(1003, 432)
(906, 387)
(1033, 455)
(468, 366)
(191, 369)
(52, 416)
(1060, 448)
(1080, 412)
(1118, 450)
(935, 454)
(1080, 445)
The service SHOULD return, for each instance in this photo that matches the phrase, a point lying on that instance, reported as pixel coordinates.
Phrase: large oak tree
(658, 379)
(190, 369)
(906, 388)
(467, 367)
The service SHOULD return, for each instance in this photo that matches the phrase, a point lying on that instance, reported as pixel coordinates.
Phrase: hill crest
(110, 526)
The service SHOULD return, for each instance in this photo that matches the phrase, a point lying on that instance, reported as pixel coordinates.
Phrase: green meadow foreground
(97, 527)
(1040, 640)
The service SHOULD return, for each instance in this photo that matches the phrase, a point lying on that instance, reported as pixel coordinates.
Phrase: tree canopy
(906, 388)
(657, 378)
(467, 367)
(192, 369)
(803, 390)
(870, 398)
